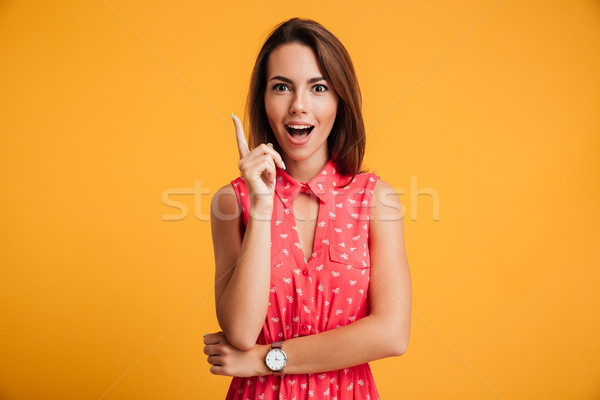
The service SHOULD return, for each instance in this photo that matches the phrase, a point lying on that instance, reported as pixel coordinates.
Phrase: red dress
(326, 292)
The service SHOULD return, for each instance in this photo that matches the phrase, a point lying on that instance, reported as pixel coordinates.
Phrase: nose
(299, 103)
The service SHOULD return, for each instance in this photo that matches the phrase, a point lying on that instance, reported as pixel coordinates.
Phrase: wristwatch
(276, 358)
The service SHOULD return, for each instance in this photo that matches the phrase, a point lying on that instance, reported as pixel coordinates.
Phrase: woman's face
(300, 105)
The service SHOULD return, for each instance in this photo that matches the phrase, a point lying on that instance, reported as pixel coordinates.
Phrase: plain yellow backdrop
(483, 114)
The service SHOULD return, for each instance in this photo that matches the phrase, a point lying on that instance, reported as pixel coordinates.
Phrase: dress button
(304, 327)
(305, 301)
(304, 272)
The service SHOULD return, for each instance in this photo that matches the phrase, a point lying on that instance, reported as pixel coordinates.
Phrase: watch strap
(277, 345)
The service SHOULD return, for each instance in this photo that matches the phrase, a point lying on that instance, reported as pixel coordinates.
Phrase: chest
(311, 232)
(306, 213)
(320, 259)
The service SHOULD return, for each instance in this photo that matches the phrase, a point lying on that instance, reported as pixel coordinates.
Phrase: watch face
(276, 359)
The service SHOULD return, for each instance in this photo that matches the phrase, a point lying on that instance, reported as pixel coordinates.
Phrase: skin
(295, 93)
(242, 263)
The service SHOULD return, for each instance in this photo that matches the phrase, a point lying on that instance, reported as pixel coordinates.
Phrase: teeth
(299, 126)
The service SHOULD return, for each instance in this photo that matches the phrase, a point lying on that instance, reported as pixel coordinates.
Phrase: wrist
(260, 352)
(261, 213)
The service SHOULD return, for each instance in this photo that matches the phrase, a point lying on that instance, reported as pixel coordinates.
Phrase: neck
(305, 170)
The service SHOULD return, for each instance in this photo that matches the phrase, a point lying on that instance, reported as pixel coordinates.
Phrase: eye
(280, 87)
(320, 88)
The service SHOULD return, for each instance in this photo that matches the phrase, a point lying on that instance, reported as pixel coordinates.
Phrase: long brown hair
(346, 142)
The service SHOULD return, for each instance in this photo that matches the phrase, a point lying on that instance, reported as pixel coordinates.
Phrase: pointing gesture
(258, 168)
(240, 137)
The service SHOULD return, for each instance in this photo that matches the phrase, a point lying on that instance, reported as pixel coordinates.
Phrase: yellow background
(106, 106)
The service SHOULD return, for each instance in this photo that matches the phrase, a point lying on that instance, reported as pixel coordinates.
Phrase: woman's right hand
(258, 169)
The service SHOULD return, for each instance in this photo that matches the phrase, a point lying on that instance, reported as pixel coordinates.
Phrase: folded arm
(383, 333)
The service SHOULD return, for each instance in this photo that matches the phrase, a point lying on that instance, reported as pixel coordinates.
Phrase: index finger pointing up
(240, 137)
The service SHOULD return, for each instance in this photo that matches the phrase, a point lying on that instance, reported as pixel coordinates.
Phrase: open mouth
(299, 131)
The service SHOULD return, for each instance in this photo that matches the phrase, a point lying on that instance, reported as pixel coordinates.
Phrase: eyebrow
(284, 79)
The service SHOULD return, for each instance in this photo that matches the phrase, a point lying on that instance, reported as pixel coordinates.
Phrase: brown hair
(346, 142)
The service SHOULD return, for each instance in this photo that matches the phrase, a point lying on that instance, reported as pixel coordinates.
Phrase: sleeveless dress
(325, 292)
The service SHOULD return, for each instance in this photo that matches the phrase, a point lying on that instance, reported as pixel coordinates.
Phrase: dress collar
(321, 185)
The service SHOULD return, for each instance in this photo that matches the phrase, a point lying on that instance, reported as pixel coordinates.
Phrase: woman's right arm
(242, 268)
(242, 263)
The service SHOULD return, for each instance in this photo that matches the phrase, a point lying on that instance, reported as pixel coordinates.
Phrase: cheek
(328, 112)
(275, 108)
(333, 112)
(328, 104)
(270, 110)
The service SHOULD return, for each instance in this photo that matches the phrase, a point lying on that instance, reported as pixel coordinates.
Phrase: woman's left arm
(382, 333)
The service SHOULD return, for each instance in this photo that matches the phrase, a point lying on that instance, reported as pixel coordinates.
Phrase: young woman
(312, 280)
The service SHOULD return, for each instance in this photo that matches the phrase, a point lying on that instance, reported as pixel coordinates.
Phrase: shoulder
(364, 180)
(224, 192)
(385, 201)
(224, 201)
(382, 187)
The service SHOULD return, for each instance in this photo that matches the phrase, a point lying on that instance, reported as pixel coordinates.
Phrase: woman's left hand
(230, 361)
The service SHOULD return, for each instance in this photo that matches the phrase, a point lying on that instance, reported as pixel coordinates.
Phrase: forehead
(293, 61)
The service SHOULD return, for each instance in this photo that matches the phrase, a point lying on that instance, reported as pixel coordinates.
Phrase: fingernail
(282, 163)
(232, 117)
(206, 335)
(274, 181)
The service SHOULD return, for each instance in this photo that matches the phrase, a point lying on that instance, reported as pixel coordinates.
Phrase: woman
(312, 279)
